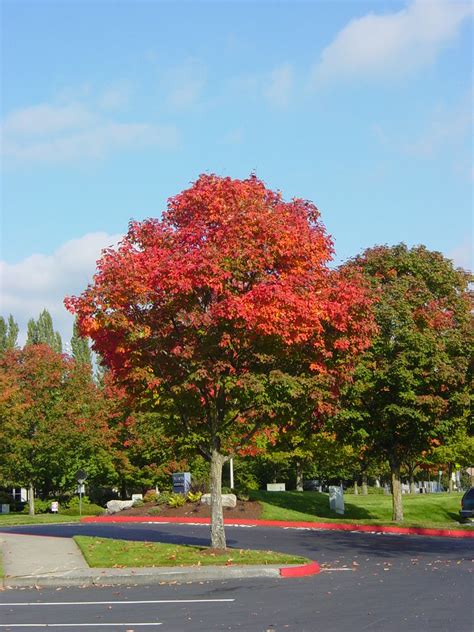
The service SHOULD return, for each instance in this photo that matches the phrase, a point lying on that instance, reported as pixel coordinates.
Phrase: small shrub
(163, 498)
(226, 490)
(87, 509)
(41, 506)
(138, 503)
(199, 485)
(151, 497)
(154, 511)
(194, 497)
(176, 500)
(242, 495)
(74, 501)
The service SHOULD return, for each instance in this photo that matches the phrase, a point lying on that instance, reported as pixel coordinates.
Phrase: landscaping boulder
(228, 500)
(114, 506)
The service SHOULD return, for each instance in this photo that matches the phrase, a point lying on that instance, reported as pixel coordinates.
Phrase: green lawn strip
(421, 510)
(107, 553)
(12, 520)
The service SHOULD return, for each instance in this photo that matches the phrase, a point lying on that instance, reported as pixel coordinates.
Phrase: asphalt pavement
(384, 583)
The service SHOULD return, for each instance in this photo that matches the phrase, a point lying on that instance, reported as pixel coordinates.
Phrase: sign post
(81, 477)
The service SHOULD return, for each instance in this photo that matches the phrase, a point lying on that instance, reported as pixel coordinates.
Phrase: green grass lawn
(420, 510)
(12, 520)
(107, 553)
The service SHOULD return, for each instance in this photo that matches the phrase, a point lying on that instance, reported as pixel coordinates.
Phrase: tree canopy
(219, 309)
(8, 333)
(41, 331)
(52, 421)
(412, 386)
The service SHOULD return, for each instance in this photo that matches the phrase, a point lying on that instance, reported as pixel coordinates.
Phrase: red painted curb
(331, 526)
(312, 568)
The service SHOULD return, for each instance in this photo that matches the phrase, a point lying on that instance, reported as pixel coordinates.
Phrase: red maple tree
(225, 313)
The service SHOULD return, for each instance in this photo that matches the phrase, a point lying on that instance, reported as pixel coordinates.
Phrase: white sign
(54, 506)
(137, 496)
(336, 499)
(276, 487)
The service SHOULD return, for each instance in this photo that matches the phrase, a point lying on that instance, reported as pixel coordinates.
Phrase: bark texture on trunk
(412, 484)
(217, 517)
(31, 499)
(365, 490)
(397, 506)
(450, 478)
(299, 477)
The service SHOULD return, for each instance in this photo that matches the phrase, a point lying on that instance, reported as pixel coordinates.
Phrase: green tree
(8, 333)
(52, 421)
(411, 388)
(42, 331)
(80, 347)
(457, 451)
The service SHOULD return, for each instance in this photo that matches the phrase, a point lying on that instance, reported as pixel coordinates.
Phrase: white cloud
(185, 83)
(447, 127)
(56, 133)
(279, 86)
(42, 281)
(392, 43)
(46, 119)
(94, 143)
(115, 97)
(463, 255)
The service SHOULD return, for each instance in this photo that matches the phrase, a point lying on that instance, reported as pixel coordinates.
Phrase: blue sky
(109, 108)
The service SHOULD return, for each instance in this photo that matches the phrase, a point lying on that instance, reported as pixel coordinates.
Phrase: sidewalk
(45, 561)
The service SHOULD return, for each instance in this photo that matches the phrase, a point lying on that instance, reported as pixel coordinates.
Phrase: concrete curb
(142, 576)
(331, 526)
(312, 568)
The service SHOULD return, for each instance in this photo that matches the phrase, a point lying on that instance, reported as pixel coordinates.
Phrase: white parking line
(71, 625)
(107, 603)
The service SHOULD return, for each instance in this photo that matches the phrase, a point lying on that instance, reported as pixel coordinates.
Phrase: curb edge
(313, 568)
(329, 526)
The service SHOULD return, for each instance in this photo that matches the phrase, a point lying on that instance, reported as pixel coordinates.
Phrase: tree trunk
(217, 516)
(450, 478)
(356, 488)
(31, 499)
(299, 477)
(365, 491)
(412, 483)
(123, 490)
(397, 506)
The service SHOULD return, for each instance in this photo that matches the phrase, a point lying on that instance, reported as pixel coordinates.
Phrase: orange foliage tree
(215, 312)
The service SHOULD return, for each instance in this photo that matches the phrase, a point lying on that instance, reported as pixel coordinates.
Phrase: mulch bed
(250, 510)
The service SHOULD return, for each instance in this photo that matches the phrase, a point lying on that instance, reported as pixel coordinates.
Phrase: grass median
(439, 511)
(108, 553)
(13, 520)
